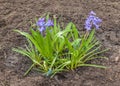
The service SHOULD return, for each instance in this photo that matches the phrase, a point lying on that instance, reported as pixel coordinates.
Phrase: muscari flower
(92, 20)
(42, 24)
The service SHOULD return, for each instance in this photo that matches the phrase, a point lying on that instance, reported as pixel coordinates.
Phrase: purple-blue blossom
(42, 24)
(92, 20)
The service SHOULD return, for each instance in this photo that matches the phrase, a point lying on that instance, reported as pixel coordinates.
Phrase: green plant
(54, 50)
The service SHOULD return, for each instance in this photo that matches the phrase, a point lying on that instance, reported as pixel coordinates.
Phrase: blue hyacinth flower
(92, 20)
(42, 24)
(49, 23)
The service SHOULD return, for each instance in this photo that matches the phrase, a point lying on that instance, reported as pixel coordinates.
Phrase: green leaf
(76, 43)
(93, 65)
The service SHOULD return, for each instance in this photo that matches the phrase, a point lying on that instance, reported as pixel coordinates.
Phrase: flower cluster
(92, 20)
(42, 24)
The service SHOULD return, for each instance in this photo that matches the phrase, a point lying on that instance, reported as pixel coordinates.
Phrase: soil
(18, 14)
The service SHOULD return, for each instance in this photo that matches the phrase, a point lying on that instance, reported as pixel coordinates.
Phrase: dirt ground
(18, 13)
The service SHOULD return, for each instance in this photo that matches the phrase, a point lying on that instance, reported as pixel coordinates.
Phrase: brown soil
(18, 13)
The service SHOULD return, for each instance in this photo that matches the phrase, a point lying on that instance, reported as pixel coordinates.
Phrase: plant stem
(29, 69)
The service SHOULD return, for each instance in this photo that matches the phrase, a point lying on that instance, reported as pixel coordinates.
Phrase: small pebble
(117, 58)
